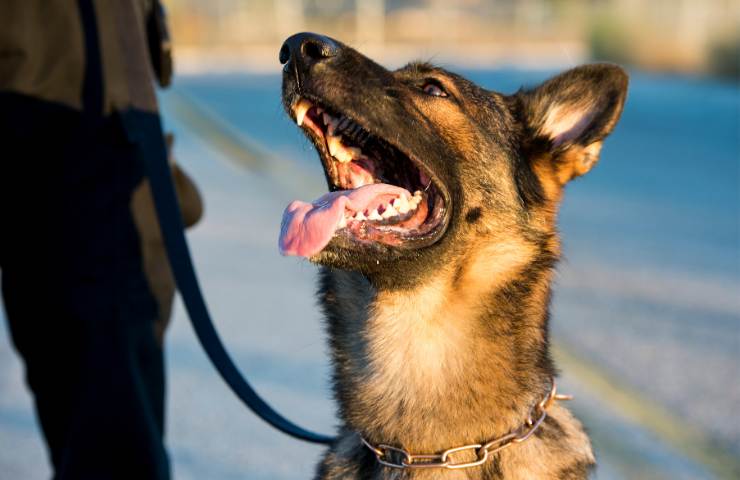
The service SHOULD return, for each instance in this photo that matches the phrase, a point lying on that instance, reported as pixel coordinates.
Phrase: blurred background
(646, 313)
(687, 36)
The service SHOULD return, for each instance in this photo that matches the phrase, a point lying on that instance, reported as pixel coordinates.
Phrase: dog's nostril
(284, 54)
(307, 48)
(313, 50)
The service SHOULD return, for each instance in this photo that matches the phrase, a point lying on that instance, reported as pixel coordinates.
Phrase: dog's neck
(451, 362)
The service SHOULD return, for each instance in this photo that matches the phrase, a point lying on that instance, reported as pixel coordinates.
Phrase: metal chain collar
(483, 452)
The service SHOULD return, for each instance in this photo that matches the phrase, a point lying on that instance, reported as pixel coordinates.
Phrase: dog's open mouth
(378, 194)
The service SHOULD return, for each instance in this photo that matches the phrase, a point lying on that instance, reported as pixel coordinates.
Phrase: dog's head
(422, 164)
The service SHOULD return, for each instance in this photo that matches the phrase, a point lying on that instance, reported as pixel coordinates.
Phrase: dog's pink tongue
(307, 227)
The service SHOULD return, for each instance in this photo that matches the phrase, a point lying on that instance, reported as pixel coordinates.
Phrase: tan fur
(535, 460)
(421, 363)
(443, 344)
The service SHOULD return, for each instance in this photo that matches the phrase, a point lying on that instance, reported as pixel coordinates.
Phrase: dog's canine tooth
(300, 110)
(374, 215)
(327, 118)
(342, 222)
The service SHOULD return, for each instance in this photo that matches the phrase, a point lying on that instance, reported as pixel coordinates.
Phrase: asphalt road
(650, 353)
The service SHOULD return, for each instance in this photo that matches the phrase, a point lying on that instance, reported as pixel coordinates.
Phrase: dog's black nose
(307, 48)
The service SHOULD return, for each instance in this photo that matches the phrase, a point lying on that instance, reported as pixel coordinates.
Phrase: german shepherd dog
(437, 243)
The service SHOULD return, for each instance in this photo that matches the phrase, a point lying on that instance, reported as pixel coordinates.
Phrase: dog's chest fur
(427, 369)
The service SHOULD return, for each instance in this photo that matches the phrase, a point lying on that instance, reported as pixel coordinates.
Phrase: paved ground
(635, 324)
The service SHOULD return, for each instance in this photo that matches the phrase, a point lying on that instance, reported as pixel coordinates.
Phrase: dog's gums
(377, 193)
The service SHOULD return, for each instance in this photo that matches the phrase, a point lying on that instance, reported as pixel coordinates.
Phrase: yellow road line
(636, 407)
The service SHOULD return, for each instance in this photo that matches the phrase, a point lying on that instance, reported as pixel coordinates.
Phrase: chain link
(385, 453)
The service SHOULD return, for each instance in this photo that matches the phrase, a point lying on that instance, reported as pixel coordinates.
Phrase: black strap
(154, 152)
(92, 85)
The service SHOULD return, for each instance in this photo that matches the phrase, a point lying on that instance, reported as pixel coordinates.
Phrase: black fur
(501, 162)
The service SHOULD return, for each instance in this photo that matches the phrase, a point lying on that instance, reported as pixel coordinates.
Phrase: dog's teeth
(343, 154)
(334, 144)
(340, 152)
(389, 212)
(402, 205)
(415, 200)
(319, 110)
(342, 222)
(374, 215)
(300, 111)
(359, 216)
(355, 152)
(327, 118)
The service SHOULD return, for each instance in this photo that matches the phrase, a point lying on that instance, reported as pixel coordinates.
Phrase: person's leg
(78, 306)
(49, 339)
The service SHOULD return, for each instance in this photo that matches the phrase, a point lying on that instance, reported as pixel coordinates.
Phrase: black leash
(147, 131)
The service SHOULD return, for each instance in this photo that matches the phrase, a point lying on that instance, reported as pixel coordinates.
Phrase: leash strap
(145, 129)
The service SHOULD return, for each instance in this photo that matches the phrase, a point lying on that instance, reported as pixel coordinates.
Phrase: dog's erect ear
(567, 117)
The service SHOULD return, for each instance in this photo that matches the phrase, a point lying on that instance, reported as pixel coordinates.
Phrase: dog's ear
(567, 117)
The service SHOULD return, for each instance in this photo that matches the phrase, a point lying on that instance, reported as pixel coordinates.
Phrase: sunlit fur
(448, 345)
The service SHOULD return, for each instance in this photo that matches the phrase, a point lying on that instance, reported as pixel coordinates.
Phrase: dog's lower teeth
(402, 205)
(397, 206)
(390, 212)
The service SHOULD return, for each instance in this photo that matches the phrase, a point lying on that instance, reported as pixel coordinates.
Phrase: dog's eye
(433, 88)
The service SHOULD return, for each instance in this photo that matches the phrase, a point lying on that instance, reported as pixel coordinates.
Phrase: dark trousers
(77, 302)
